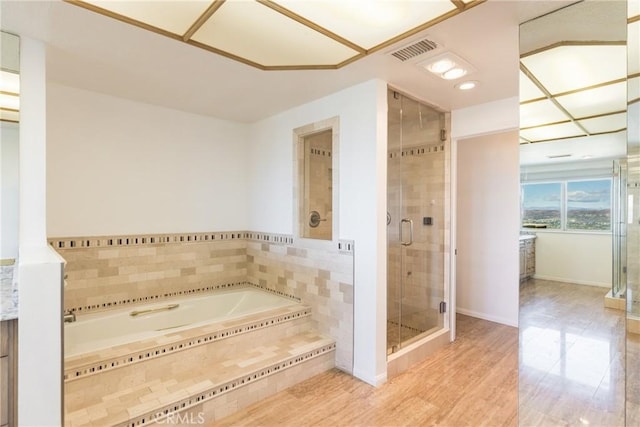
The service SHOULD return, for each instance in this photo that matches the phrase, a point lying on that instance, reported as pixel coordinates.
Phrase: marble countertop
(8, 292)
(527, 236)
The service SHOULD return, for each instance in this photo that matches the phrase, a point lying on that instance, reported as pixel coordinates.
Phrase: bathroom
(236, 180)
(187, 175)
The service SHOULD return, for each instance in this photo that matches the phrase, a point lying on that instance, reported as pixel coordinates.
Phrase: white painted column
(40, 268)
(33, 155)
(365, 217)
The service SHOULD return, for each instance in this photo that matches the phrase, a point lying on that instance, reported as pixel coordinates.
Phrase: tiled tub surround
(114, 271)
(321, 278)
(215, 368)
(222, 366)
(141, 269)
(102, 331)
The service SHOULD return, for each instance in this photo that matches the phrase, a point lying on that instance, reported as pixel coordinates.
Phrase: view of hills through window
(586, 205)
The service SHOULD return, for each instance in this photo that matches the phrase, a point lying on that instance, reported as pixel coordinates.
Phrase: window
(589, 205)
(567, 205)
(541, 205)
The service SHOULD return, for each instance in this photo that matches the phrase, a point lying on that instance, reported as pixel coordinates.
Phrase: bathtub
(96, 331)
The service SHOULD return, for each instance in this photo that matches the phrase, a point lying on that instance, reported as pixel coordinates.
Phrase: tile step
(156, 399)
(81, 366)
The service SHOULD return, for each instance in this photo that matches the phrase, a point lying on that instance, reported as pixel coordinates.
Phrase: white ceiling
(94, 52)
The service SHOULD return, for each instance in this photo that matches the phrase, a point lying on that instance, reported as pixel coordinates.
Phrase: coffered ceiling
(573, 83)
(573, 89)
(92, 51)
(284, 34)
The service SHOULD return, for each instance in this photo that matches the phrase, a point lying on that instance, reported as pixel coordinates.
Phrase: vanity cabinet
(8, 372)
(527, 257)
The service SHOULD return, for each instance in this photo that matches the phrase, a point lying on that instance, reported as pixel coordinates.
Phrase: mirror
(316, 147)
(9, 150)
(9, 209)
(633, 216)
(573, 134)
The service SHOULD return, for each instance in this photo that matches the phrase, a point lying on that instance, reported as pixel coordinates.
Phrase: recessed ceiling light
(441, 66)
(468, 85)
(447, 66)
(454, 73)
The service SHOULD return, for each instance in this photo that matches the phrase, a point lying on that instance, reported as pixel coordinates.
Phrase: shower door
(619, 228)
(415, 221)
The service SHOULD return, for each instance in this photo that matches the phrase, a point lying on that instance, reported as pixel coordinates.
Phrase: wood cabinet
(8, 372)
(527, 257)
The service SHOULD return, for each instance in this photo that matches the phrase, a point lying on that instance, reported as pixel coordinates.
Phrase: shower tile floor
(399, 333)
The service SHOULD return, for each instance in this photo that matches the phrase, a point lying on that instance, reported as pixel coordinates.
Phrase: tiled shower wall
(417, 187)
(109, 272)
(422, 269)
(318, 182)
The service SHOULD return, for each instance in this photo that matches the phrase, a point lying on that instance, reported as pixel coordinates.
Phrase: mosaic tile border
(79, 372)
(285, 239)
(411, 328)
(64, 243)
(417, 151)
(318, 152)
(158, 415)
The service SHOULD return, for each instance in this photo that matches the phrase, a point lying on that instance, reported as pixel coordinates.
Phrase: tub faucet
(69, 316)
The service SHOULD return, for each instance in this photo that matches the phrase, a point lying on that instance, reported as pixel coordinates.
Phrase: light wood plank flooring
(571, 367)
(571, 356)
(471, 382)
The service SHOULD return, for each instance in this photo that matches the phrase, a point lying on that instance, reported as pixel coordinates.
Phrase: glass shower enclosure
(416, 221)
(619, 228)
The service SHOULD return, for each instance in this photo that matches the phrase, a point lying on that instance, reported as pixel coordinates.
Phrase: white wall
(583, 258)
(118, 166)
(362, 200)
(9, 191)
(487, 214)
(40, 268)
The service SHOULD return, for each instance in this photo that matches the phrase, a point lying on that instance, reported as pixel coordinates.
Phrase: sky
(593, 194)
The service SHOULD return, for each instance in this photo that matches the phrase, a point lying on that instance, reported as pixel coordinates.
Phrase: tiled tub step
(236, 334)
(208, 391)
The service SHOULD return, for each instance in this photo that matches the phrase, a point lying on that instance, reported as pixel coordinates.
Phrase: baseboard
(577, 282)
(485, 316)
(376, 381)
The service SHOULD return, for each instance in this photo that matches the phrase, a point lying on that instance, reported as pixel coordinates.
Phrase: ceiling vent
(415, 49)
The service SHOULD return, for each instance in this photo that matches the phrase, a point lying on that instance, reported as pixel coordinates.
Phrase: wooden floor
(571, 356)
(471, 382)
(571, 359)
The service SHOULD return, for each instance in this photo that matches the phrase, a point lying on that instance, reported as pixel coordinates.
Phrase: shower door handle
(410, 222)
